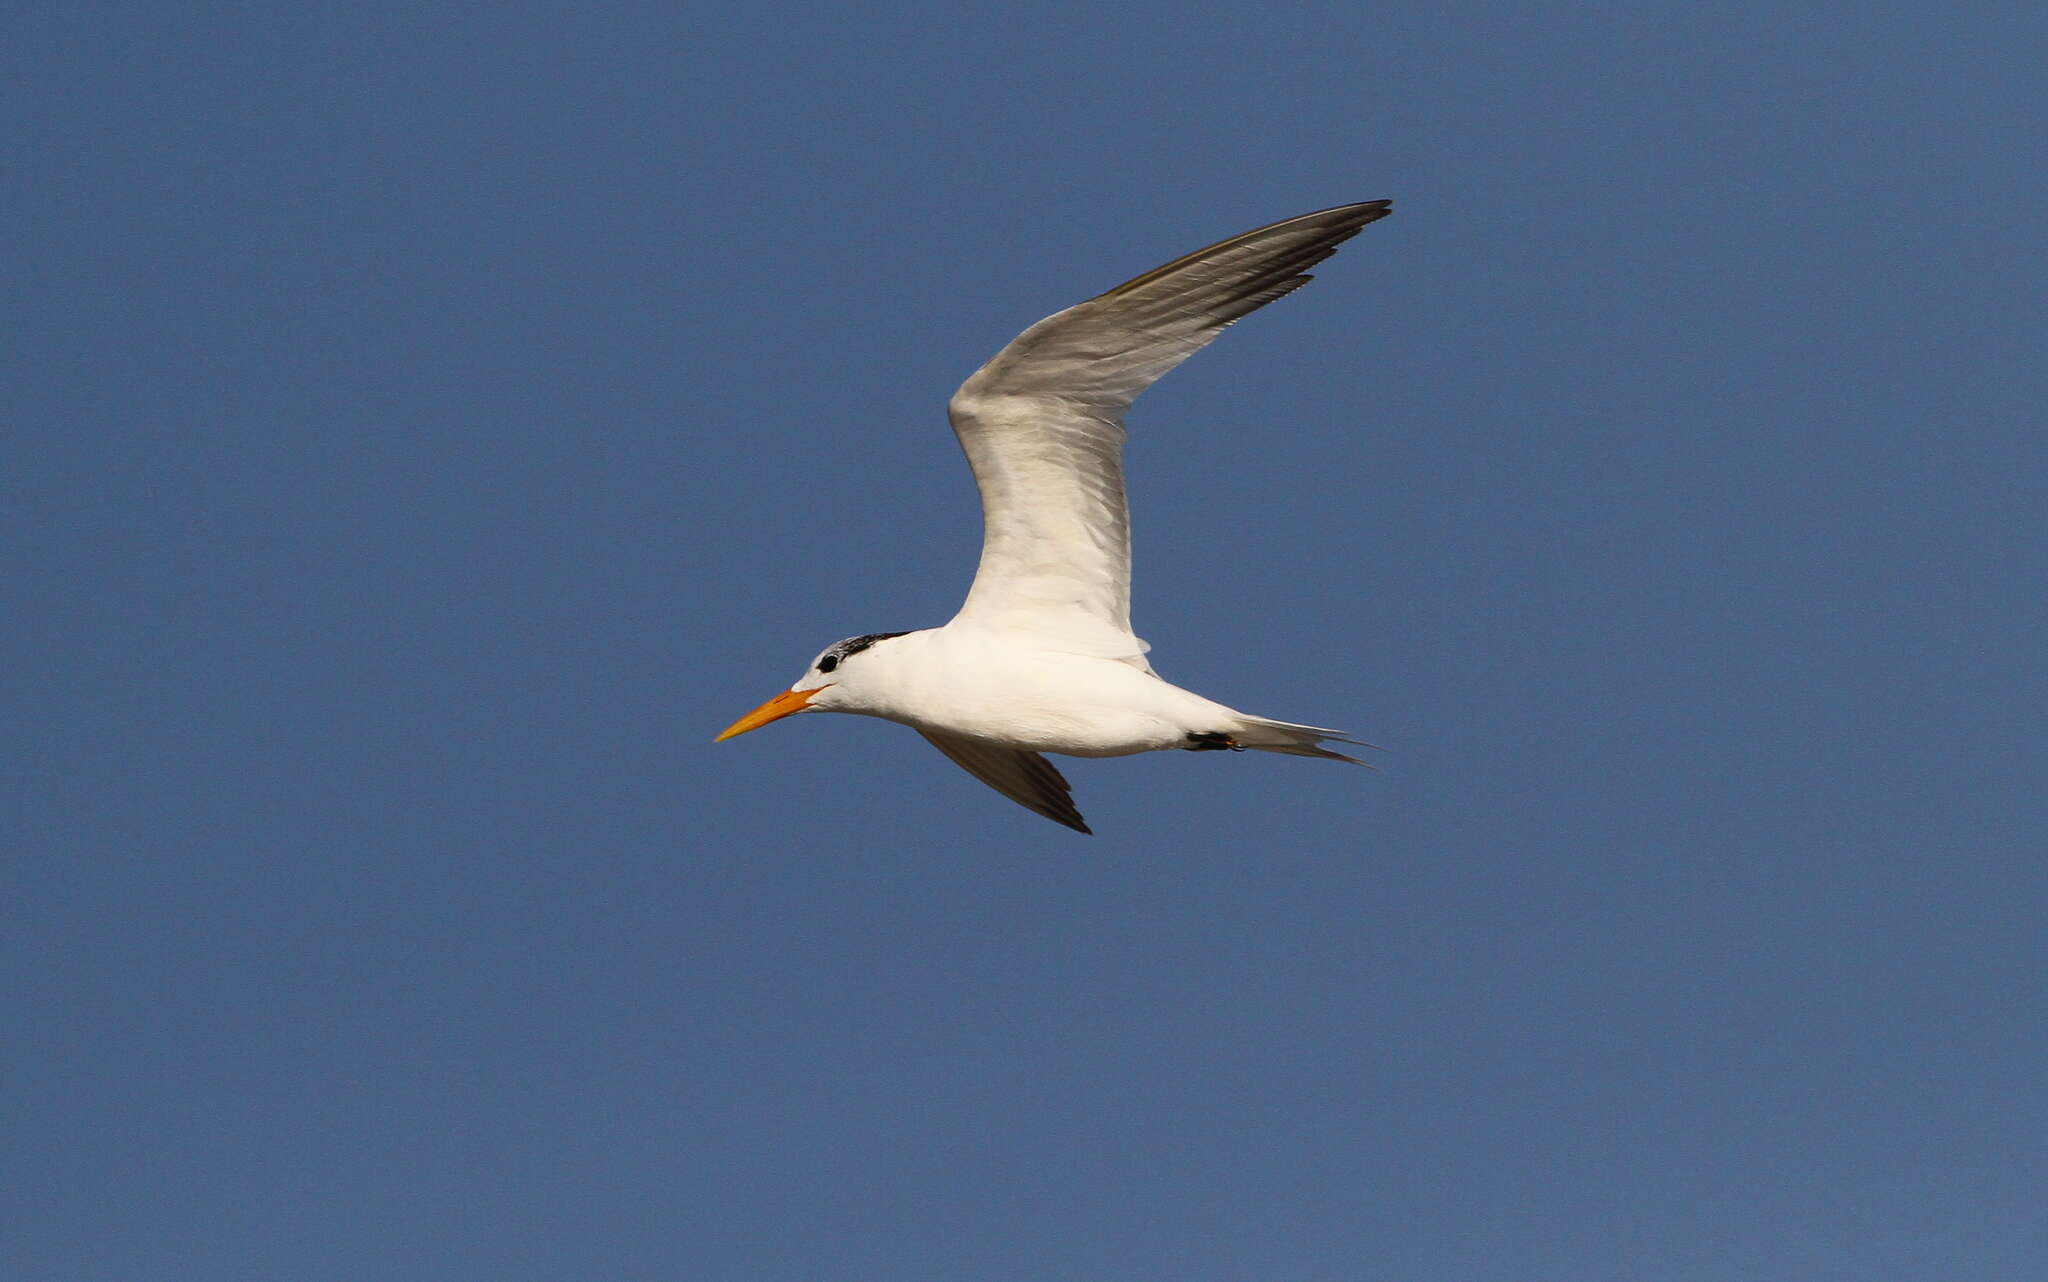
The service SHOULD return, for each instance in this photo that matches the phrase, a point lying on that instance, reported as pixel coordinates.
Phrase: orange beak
(774, 710)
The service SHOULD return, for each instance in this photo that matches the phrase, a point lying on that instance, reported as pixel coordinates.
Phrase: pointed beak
(774, 710)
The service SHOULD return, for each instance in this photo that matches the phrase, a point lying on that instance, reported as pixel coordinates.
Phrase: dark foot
(1212, 741)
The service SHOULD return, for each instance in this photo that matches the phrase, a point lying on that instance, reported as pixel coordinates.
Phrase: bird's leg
(1212, 741)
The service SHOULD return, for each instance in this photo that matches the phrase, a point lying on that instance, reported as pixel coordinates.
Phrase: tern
(1041, 658)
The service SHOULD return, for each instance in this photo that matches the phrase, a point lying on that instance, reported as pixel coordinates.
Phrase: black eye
(828, 663)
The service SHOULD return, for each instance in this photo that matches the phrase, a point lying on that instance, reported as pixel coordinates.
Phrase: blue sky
(436, 423)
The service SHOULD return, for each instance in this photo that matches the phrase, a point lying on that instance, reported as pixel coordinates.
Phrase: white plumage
(1041, 657)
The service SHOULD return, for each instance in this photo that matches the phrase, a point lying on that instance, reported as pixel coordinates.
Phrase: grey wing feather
(1104, 352)
(1041, 424)
(1024, 777)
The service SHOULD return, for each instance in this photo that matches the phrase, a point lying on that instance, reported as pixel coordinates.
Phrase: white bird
(1041, 658)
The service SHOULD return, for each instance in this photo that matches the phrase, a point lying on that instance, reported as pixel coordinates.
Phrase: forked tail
(1294, 740)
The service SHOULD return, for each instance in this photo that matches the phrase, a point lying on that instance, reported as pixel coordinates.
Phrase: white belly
(1047, 702)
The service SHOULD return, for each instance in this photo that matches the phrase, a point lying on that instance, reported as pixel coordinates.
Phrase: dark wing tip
(1024, 777)
(1056, 799)
(1364, 211)
(1330, 228)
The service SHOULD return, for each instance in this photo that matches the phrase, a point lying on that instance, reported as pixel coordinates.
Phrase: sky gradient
(435, 424)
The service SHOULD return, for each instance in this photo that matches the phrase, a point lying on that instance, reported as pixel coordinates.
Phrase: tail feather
(1295, 740)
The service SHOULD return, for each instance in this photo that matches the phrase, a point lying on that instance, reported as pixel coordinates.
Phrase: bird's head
(830, 684)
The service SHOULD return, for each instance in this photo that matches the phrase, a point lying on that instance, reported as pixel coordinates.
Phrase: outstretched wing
(1042, 427)
(1024, 777)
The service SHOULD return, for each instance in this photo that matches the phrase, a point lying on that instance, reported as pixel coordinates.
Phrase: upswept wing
(1024, 777)
(1042, 427)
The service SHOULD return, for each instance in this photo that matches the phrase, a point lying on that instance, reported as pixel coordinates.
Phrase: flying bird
(1041, 658)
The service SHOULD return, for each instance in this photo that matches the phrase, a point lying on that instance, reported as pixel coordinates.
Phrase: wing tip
(1371, 209)
(1024, 777)
(1357, 214)
(1330, 228)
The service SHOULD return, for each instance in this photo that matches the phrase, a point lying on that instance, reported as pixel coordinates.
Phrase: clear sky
(434, 422)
